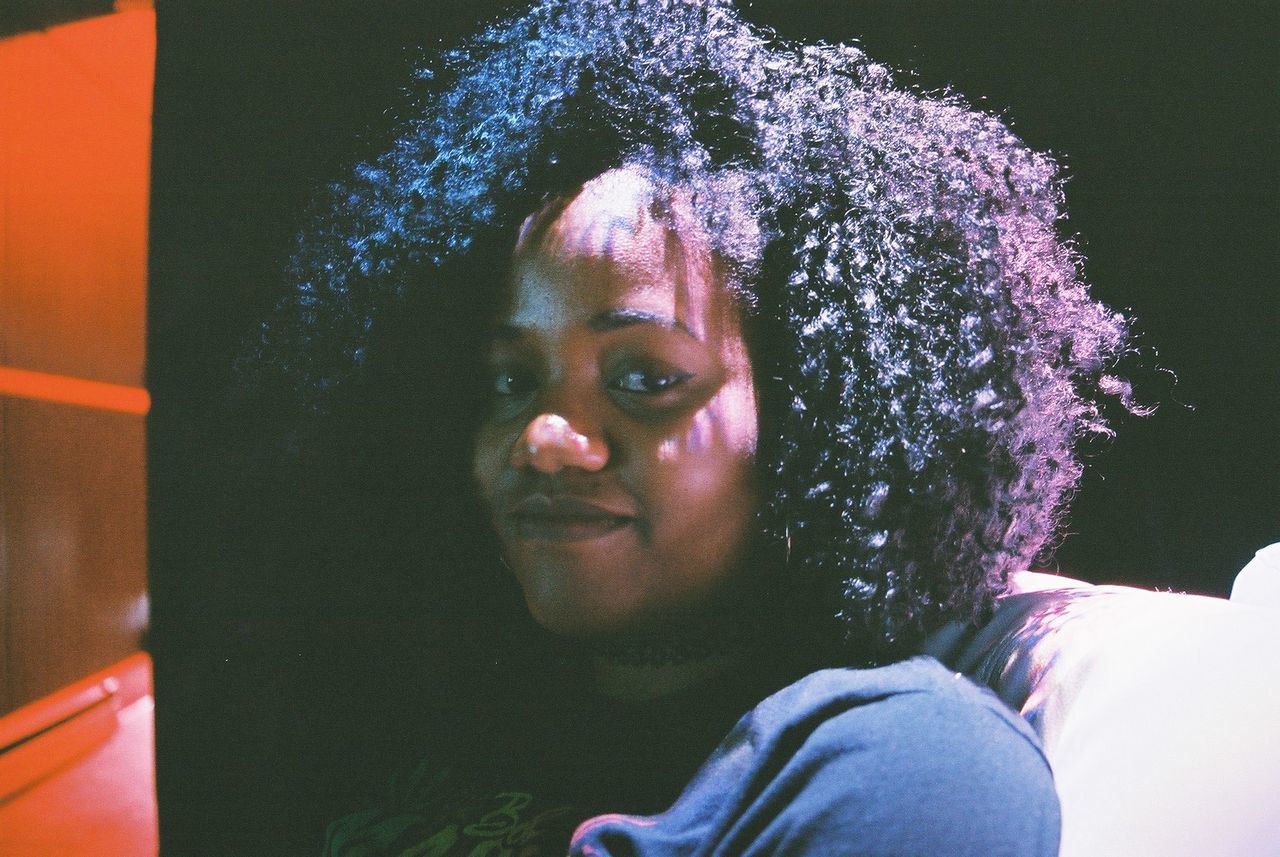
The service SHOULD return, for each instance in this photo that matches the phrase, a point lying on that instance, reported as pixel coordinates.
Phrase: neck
(641, 682)
(682, 654)
(688, 648)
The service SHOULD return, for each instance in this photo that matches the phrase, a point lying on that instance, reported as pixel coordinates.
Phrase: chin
(575, 602)
(578, 621)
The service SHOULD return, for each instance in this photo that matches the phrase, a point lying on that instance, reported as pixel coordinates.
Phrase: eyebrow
(614, 319)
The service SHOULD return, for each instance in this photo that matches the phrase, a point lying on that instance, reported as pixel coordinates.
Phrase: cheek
(704, 477)
(492, 449)
(727, 427)
(700, 540)
(736, 420)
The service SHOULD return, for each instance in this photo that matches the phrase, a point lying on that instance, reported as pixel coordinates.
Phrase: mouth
(565, 519)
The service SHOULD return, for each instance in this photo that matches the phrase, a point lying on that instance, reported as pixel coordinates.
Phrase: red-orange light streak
(45, 387)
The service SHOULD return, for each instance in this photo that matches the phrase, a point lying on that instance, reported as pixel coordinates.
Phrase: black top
(904, 759)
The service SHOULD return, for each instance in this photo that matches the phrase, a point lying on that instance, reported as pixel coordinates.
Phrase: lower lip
(568, 529)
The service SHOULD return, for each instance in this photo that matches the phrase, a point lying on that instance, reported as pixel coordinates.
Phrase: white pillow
(1259, 581)
(1160, 714)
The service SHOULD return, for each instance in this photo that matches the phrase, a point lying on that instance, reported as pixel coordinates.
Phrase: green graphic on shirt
(504, 828)
(498, 833)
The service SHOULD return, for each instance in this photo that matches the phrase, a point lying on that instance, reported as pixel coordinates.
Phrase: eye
(512, 383)
(646, 382)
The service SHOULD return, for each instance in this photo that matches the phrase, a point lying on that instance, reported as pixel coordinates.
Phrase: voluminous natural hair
(926, 353)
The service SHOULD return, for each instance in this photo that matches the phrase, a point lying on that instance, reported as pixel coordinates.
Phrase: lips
(540, 517)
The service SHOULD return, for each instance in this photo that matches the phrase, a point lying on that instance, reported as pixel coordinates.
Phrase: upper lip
(567, 506)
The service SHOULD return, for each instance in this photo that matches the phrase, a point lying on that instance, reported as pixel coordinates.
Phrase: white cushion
(1159, 712)
(1259, 581)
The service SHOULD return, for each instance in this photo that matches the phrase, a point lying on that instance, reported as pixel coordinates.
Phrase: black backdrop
(275, 655)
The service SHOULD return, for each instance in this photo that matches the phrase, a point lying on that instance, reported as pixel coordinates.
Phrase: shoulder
(838, 710)
(903, 759)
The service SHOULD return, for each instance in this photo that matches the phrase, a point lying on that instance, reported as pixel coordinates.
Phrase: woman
(778, 368)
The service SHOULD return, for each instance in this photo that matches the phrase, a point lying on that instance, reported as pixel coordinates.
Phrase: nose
(549, 444)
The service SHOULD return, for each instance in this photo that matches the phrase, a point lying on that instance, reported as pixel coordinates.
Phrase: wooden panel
(103, 803)
(5, 573)
(75, 103)
(74, 521)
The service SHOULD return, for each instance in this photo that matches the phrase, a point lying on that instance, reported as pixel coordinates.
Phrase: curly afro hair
(926, 352)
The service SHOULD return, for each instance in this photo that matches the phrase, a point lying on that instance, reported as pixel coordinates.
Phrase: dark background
(273, 656)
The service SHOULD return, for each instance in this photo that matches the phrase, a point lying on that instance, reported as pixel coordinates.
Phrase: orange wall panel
(75, 136)
(5, 574)
(74, 523)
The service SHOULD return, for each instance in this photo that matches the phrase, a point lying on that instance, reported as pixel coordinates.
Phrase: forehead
(623, 241)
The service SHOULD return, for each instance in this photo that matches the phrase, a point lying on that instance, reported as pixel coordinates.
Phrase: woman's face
(616, 458)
